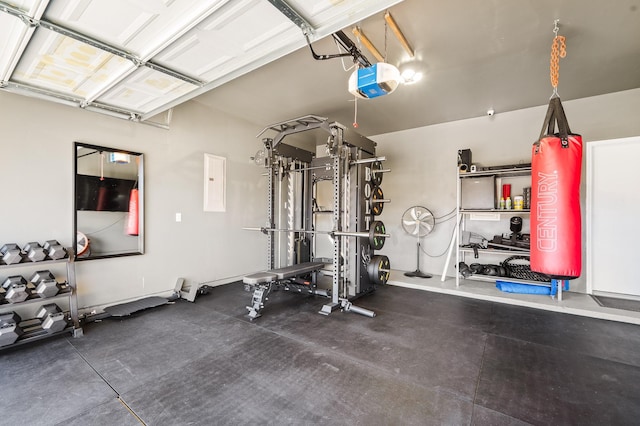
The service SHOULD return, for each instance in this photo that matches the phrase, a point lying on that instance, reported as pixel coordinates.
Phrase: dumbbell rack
(33, 333)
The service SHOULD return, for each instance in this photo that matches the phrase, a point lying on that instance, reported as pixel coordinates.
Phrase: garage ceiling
(475, 55)
(139, 58)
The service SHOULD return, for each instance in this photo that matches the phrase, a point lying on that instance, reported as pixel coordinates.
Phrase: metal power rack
(295, 171)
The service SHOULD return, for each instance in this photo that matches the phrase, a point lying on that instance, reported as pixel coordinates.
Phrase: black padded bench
(282, 273)
(261, 282)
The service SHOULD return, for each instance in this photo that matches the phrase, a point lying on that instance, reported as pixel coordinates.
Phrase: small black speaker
(464, 160)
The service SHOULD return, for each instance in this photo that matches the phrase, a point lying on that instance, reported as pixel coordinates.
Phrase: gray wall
(423, 163)
(37, 188)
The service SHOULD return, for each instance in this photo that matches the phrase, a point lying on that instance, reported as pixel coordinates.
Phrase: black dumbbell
(10, 328)
(15, 289)
(55, 250)
(51, 317)
(44, 284)
(11, 253)
(34, 252)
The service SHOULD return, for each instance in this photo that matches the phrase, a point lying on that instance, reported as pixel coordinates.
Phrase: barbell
(376, 233)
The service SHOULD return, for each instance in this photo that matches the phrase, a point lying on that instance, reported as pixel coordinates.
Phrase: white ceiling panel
(320, 13)
(32, 7)
(234, 36)
(61, 64)
(12, 34)
(15, 34)
(142, 27)
(145, 90)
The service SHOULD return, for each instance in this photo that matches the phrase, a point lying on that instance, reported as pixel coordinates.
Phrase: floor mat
(616, 303)
(128, 308)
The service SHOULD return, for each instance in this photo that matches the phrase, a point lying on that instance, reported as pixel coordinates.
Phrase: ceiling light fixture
(410, 76)
(411, 72)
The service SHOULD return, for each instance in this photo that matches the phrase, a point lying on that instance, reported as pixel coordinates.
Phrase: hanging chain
(356, 63)
(385, 39)
(558, 50)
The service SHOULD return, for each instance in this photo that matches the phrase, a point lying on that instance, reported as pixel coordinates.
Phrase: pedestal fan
(419, 222)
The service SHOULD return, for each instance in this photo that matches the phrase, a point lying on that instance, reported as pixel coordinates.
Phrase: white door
(613, 216)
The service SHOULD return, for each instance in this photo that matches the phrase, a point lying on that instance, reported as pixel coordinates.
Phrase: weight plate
(378, 269)
(83, 244)
(376, 242)
(376, 208)
(376, 178)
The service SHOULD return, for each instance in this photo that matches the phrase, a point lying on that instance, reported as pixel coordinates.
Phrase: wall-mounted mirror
(108, 202)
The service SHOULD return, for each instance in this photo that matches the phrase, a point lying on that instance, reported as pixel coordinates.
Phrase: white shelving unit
(31, 328)
(492, 221)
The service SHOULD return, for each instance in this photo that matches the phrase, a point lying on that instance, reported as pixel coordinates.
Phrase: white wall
(423, 163)
(36, 164)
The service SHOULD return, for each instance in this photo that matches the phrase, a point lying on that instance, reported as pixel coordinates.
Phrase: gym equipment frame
(320, 215)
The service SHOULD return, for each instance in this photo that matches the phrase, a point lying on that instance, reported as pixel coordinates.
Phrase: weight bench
(288, 277)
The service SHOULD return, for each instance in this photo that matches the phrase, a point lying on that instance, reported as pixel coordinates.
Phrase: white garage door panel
(234, 36)
(15, 34)
(142, 28)
(146, 89)
(113, 21)
(613, 208)
(32, 7)
(12, 32)
(320, 13)
(214, 56)
(66, 65)
(181, 55)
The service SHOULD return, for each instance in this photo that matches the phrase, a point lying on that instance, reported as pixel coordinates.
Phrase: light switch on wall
(178, 217)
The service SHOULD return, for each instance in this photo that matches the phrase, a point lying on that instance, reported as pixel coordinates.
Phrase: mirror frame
(74, 239)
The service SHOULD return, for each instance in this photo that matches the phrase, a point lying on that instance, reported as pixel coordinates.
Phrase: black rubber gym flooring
(425, 359)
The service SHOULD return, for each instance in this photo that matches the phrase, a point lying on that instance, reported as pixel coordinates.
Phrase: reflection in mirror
(108, 202)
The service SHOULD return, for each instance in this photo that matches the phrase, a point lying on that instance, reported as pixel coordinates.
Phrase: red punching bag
(102, 202)
(132, 219)
(556, 165)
